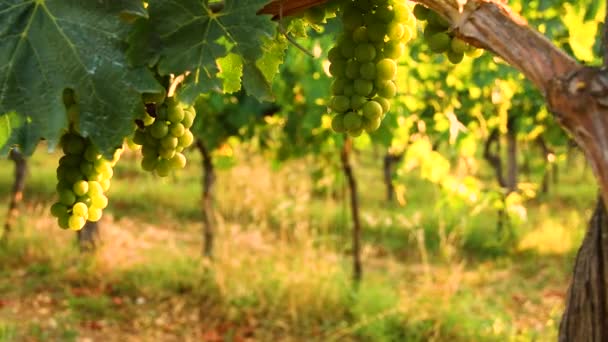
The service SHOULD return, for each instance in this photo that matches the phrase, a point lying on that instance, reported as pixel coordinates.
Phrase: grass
(281, 269)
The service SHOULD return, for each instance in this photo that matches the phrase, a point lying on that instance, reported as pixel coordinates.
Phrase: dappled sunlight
(553, 236)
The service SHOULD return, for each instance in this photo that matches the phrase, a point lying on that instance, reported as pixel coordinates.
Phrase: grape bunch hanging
(439, 37)
(83, 178)
(164, 133)
(364, 62)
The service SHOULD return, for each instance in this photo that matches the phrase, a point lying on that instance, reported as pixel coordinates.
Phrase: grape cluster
(83, 177)
(164, 133)
(440, 39)
(364, 62)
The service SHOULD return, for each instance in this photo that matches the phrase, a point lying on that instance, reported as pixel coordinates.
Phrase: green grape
(376, 32)
(189, 116)
(355, 132)
(72, 144)
(437, 21)
(76, 222)
(363, 87)
(334, 55)
(163, 168)
(80, 209)
(337, 123)
(178, 161)
(177, 130)
(169, 142)
(338, 68)
(396, 31)
(386, 104)
(372, 110)
(94, 214)
(159, 129)
(186, 140)
(99, 201)
(340, 104)
(349, 89)
(166, 153)
(80, 188)
(357, 101)
(352, 69)
(64, 221)
(105, 184)
(365, 52)
(94, 188)
(394, 50)
(347, 50)
(387, 89)
(363, 61)
(84, 199)
(139, 137)
(371, 125)
(385, 14)
(59, 209)
(455, 57)
(69, 160)
(175, 113)
(386, 69)
(91, 154)
(337, 86)
(458, 45)
(360, 35)
(352, 121)
(149, 163)
(368, 71)
(83, 178)
(439, 42)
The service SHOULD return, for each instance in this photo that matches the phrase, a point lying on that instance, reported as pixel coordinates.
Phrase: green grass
(433, 270)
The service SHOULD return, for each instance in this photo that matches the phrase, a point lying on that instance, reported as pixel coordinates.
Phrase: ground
(281, 267)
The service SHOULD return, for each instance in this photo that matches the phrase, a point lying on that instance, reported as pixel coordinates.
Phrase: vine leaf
(193, 38)
(48, 46)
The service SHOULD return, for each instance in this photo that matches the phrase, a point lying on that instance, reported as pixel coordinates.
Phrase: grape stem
(289, 38)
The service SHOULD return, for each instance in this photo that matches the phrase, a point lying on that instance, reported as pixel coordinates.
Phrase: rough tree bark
(207, 201)
(577, 95)
(387, 168)
(585, 315)
(354, 207)
(16, 192)
(88, 237)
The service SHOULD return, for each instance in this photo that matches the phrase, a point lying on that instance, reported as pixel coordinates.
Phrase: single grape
(386, 69)
(340, 104)
(159, 129)
(337, 123)
(80, 209)
(76, 222)
(80, 188)
(372, 110)
(178, 161)
(352, 121)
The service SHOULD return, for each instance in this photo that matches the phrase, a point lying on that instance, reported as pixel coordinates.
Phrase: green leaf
(194, 38)
(48, 46)
(230, 67)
